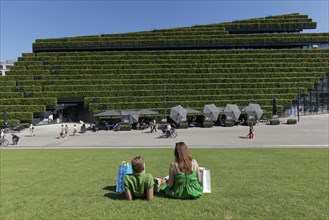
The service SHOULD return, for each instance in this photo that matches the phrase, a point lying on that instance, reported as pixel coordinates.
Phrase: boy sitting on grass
(139, 184)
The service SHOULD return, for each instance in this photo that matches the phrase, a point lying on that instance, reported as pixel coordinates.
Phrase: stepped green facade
(237, 62)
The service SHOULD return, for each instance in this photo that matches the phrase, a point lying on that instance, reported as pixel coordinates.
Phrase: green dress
(186, 186)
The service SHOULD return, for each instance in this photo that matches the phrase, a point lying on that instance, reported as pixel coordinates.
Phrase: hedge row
(172, 76)
(10, 123)
(151, 36)
(195, 70)
(7, 77)
(36, 57)
(6, 82)
(284, 16)
(6, 95)
(181, 62)
(180, 65)
(195, 86)
(179, 54)
(21, 88)
(157, 97)
(271, 20)
(209, 30)
(22, 116)
(169, 81)
(87, 95)
(184, 92)
(23, 108)
(192, 71)
(169, 98)
(29, 101)
(200, 40)
(27, 63)
(136, 53)
(149, 59)
(101, 92)
(288, 25)
(103, 74)
(22, 73)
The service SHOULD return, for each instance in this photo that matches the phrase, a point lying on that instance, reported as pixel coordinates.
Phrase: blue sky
(23, 21)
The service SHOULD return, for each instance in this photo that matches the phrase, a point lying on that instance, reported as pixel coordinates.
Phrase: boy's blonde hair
(137, 164)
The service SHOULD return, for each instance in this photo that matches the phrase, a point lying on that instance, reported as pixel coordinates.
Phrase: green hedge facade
(243, 61)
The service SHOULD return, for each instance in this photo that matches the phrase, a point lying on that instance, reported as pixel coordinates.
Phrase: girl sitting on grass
(184, 176)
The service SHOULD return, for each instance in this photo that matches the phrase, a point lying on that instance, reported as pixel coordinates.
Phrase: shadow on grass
(121, 196)
(112, 194)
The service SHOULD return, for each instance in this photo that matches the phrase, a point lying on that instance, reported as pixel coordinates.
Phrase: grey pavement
(310, 132)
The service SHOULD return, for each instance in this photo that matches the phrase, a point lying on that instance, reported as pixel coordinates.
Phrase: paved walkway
(311, 131)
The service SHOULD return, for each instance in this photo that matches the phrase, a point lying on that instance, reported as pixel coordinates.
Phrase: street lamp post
(165, 99)
(298, 100)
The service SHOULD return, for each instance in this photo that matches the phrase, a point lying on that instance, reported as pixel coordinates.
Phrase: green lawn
(246, 184)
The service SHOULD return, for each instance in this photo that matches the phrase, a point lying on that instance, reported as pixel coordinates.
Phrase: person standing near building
(32, 130)
(154, 126)
(66, 131)
(251, 131)
(75, 130)
(2, 135)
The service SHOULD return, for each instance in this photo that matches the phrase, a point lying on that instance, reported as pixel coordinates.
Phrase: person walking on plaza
(66, 131)
(75, 130)
(32, 130)
(153, 126)
(2, 134)
(61, 134)
(251, 131)
(83, 128)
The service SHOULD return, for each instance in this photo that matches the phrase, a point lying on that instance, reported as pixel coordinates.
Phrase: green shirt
(138, 183)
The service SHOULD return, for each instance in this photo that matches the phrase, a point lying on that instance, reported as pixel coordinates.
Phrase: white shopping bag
(205, 177)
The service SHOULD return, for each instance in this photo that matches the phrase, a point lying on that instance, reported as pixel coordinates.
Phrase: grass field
(246, 184)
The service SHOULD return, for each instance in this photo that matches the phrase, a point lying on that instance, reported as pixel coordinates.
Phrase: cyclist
(166, 130)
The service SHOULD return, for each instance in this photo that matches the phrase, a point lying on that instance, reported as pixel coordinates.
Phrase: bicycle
(4, 142)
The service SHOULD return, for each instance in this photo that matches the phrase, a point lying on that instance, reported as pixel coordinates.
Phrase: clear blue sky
(23, 21)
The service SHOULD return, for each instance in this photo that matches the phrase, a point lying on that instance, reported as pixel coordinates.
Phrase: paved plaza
(311, 131)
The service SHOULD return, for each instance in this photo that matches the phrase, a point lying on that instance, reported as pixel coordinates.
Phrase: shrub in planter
(125, 127)
(229, 123)
(208, 124)
(291, 121)
(274, 122)
(10, 122)
(183, 125)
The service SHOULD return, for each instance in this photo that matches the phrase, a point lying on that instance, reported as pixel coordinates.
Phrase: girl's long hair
(183, 157)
